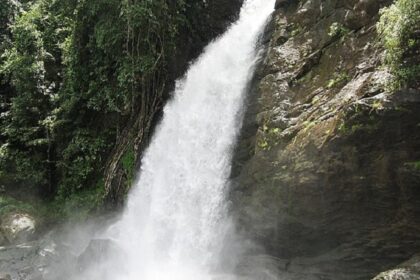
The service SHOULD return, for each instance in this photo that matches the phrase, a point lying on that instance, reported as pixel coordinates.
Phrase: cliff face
(326, 175)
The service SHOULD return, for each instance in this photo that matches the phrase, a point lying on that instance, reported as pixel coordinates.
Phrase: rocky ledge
(409, 270)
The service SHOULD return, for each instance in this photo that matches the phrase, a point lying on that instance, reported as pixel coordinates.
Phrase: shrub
(399, 29)
(337, 30)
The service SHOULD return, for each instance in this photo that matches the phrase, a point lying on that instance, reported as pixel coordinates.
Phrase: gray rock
(43, 259)
(398, 274)
(282, 3)
(5, 276)
(409, 270)
(18, 227)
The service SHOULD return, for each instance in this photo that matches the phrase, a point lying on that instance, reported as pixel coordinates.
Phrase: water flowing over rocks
(176, 220)
(325, 176)
(57, 255)
(51, 259)
(28, 261)
(325, 182)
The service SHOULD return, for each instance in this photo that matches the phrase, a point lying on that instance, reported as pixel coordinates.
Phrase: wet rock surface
(409, 270)
(27, 261)
(52, 257)
(17, 228)
(59, 254)
(326, 175)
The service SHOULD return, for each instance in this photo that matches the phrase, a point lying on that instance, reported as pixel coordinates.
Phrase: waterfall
(177, 218)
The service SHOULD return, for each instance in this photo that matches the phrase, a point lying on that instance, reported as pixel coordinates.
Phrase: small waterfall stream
(176, 218)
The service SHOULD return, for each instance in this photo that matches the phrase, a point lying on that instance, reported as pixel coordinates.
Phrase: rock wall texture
(409, 270)
(326, 176)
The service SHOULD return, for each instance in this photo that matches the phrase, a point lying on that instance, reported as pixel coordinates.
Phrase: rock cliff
(326, 175)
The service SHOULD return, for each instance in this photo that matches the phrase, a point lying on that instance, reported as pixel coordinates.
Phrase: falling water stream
(176, 220)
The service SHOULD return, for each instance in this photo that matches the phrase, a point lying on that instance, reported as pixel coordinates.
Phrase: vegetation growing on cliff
(73, 74)
(399, 28)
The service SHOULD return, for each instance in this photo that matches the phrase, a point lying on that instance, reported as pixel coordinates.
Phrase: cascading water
(176, 218)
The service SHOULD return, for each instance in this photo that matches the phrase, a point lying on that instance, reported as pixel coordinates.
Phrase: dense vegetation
(73, 74)
(399, 27)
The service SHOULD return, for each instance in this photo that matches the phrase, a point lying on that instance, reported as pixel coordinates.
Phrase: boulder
(18, 227)
(398, 274)
(409, 270)
(361, 13)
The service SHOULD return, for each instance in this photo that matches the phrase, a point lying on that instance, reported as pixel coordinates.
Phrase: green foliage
(118, 54)
(337, 30)
(294, 29)
(78, 204)
(32, 66)
(414, 165)
(308, 125)
(399, 29)
(22, 166)
(74, 74)
(80, 160)
(338, 80)
(128, 162)
(270, 137)
(118, 51)
(9, 204)
(351, 127)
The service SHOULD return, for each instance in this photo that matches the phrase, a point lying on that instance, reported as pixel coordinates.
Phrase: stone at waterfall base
(17, 228)
(409, 270)
(5, 277)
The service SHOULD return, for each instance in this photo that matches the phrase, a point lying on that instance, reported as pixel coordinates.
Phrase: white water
(176, 219)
